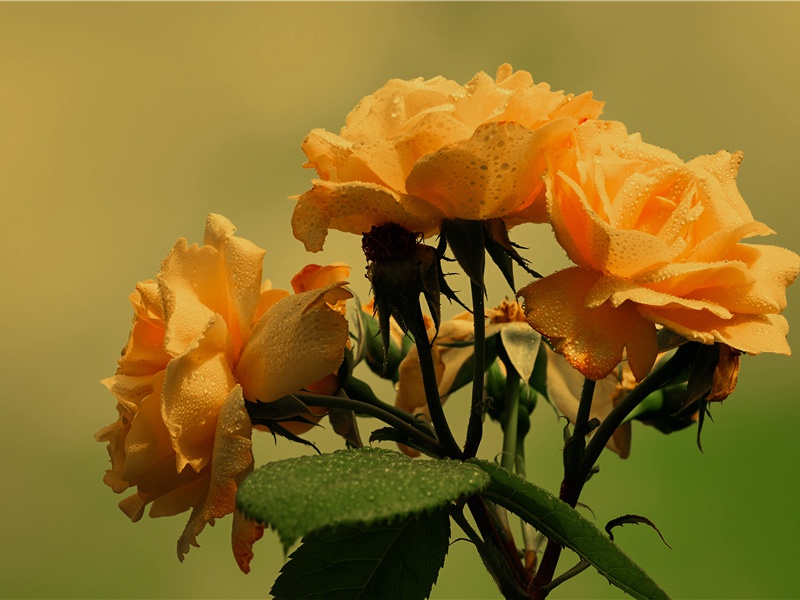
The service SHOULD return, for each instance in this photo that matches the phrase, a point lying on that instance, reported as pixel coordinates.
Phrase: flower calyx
(400, 268)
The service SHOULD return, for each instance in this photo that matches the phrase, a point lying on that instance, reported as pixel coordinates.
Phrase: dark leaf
(302, 495)
(635, 519)
(567, 527)
(398, 560)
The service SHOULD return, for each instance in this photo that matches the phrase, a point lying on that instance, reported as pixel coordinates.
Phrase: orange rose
(416, 152)
(656, 241)
(206, 335)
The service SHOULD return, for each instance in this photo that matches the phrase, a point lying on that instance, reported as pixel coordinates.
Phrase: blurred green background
(122, 125)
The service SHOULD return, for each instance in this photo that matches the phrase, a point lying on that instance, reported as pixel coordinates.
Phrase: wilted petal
(244, 533)
(447, 361)
(297, 342)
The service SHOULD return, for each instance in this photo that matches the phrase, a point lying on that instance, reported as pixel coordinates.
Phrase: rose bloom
(416, 152)
(656, 241)
(207, 336)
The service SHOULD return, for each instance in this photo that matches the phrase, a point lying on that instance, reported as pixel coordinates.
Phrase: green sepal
(538, 379)
(701, 374)
(466, 241)
(567, 527)
(344, 424)
(398, 560)
(298, 496)
(503, 251)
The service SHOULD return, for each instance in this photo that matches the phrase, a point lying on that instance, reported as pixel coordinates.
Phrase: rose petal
(593, 243)
(244, 533)
(222, 277)
(196, 385)
(233, 459)
(771, 269)
(356, 208)
(753, 334)
(489, 175)
(297, 342)
(593, 340)
(312, 277)
(617, 291)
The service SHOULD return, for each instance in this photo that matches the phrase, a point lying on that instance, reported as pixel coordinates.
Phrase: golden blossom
(206, 337)
(416, 152)
(655, 241)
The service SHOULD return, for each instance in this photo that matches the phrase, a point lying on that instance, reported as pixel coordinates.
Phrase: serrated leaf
(635, 520)
(563, 524)
(521, 343)
(398, 561)
(298, 496)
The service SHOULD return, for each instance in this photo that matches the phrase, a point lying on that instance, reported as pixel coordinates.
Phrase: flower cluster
(656, 241)
(660, 262)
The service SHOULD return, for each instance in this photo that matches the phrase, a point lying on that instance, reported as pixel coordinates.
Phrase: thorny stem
(475, 424)
(411, 431)
(572, 486)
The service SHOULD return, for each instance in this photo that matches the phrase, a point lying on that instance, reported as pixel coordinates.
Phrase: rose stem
(375, 411)
(431, 386)
(571, 487)
(475, 424)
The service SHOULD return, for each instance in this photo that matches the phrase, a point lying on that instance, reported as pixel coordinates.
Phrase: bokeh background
(122, 125)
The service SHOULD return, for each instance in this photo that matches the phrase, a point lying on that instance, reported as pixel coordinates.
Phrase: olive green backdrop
(122, 125)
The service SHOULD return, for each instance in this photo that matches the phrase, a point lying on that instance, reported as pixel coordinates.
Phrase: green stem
(431, 385)
(576, 444)
(528, 532)
(510, 419)
(475, 424)
(614, 419)
(375, 411)
(499, 569)
(572, 486)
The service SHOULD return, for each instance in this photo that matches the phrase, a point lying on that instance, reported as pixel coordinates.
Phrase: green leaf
(564, 525)
(397, 561)
(298, 496)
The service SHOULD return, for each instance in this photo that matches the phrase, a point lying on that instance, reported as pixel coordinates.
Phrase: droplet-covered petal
(298, 341)
(592, 339)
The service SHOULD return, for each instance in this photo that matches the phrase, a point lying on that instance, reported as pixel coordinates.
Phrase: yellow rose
(656, 241)
(206, 337)
(416, 152)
